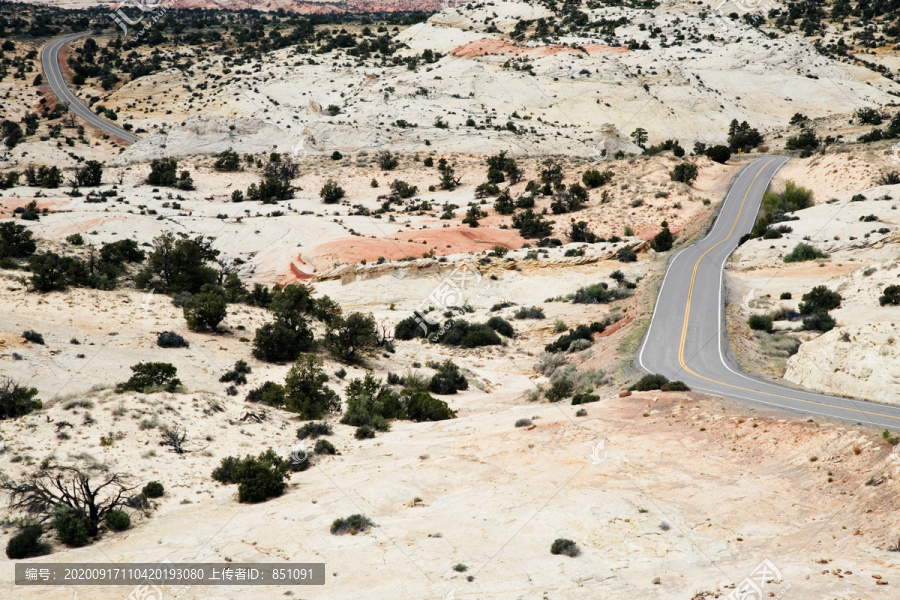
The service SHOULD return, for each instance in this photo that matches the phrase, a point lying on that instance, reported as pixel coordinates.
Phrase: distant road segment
(53, 73)
(687, 338)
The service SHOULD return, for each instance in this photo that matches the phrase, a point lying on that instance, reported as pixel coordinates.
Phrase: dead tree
(175, 437)
(384, 335)
(40, 493)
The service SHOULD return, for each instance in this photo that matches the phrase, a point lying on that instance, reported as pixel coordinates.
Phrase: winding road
(53, 73)
(687, 337)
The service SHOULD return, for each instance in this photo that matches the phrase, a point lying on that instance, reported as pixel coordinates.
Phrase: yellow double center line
(687, 314)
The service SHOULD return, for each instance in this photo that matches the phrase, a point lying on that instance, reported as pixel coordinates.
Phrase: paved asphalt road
(50, 60)
(687, 339)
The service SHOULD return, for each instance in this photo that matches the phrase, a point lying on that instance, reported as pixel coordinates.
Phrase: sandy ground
(685, 489)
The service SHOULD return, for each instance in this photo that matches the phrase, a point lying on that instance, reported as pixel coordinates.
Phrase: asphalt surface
(687, 337)
(53, 73)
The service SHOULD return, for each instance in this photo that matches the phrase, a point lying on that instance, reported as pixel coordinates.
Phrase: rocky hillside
(489, 77)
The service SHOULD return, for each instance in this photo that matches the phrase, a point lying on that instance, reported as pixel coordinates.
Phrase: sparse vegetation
(353, 524)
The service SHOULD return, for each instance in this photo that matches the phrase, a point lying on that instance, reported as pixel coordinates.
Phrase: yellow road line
(687, 314)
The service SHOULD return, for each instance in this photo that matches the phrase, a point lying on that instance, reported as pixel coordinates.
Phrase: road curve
(687, 337)
(53, 73)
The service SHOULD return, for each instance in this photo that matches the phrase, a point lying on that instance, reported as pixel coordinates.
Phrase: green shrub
(118, 520)
(593, 294)
(269, 393)
(278, 343)
(349, 338)
(206, 309)
(803, 252)
(819, 299)
(27, 543)
(448, 379)
(525, 422)
(331, 192)
(818, 322)
(626, 255)
(467, 335)
(71, 526)
(305, 392)
(649, 382)
(785, 296)
(364, 432)
(258, 478)
(151, 376)
(564, 546)
(425, 407)
(562, 344)
(891, 295)
(170, 339)
(684, 172)
(760, 322)
(33, 336)
(675, 386)
(353, 524)
(16, 240)
(532, 312)
(154, 489)
(593, 178)
(560, 389)
(370, 402)
(531, 225)
(324, 447)
(585, 398)
(314, 429)
(663, 241)
(16, 400)
(719, 154)
(501, 326)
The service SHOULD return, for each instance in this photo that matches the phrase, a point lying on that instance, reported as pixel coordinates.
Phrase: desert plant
(448, 379)
(760, 322)
(206, 309)
(819, 300)
(364, 432)
(501, 326)
(269, 393)
(331, 192)
(70, 525)
(153, 489)
(314, 429)
(33, 336)
(348, 338)
(564, 546)
(891, 295)
(353, 524)
(663, 241)
(305, 391)
(649, 382)
(68, 495)
(523, 422)
(118, 520)
(819, 321)
(151, 376)
(533, 312)
(324, 447)
(16, 400)
(803, 252)
(26, 543)
(685, 172)
(258, 478)
(170, 339)
(675, 386)
(424, 407)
